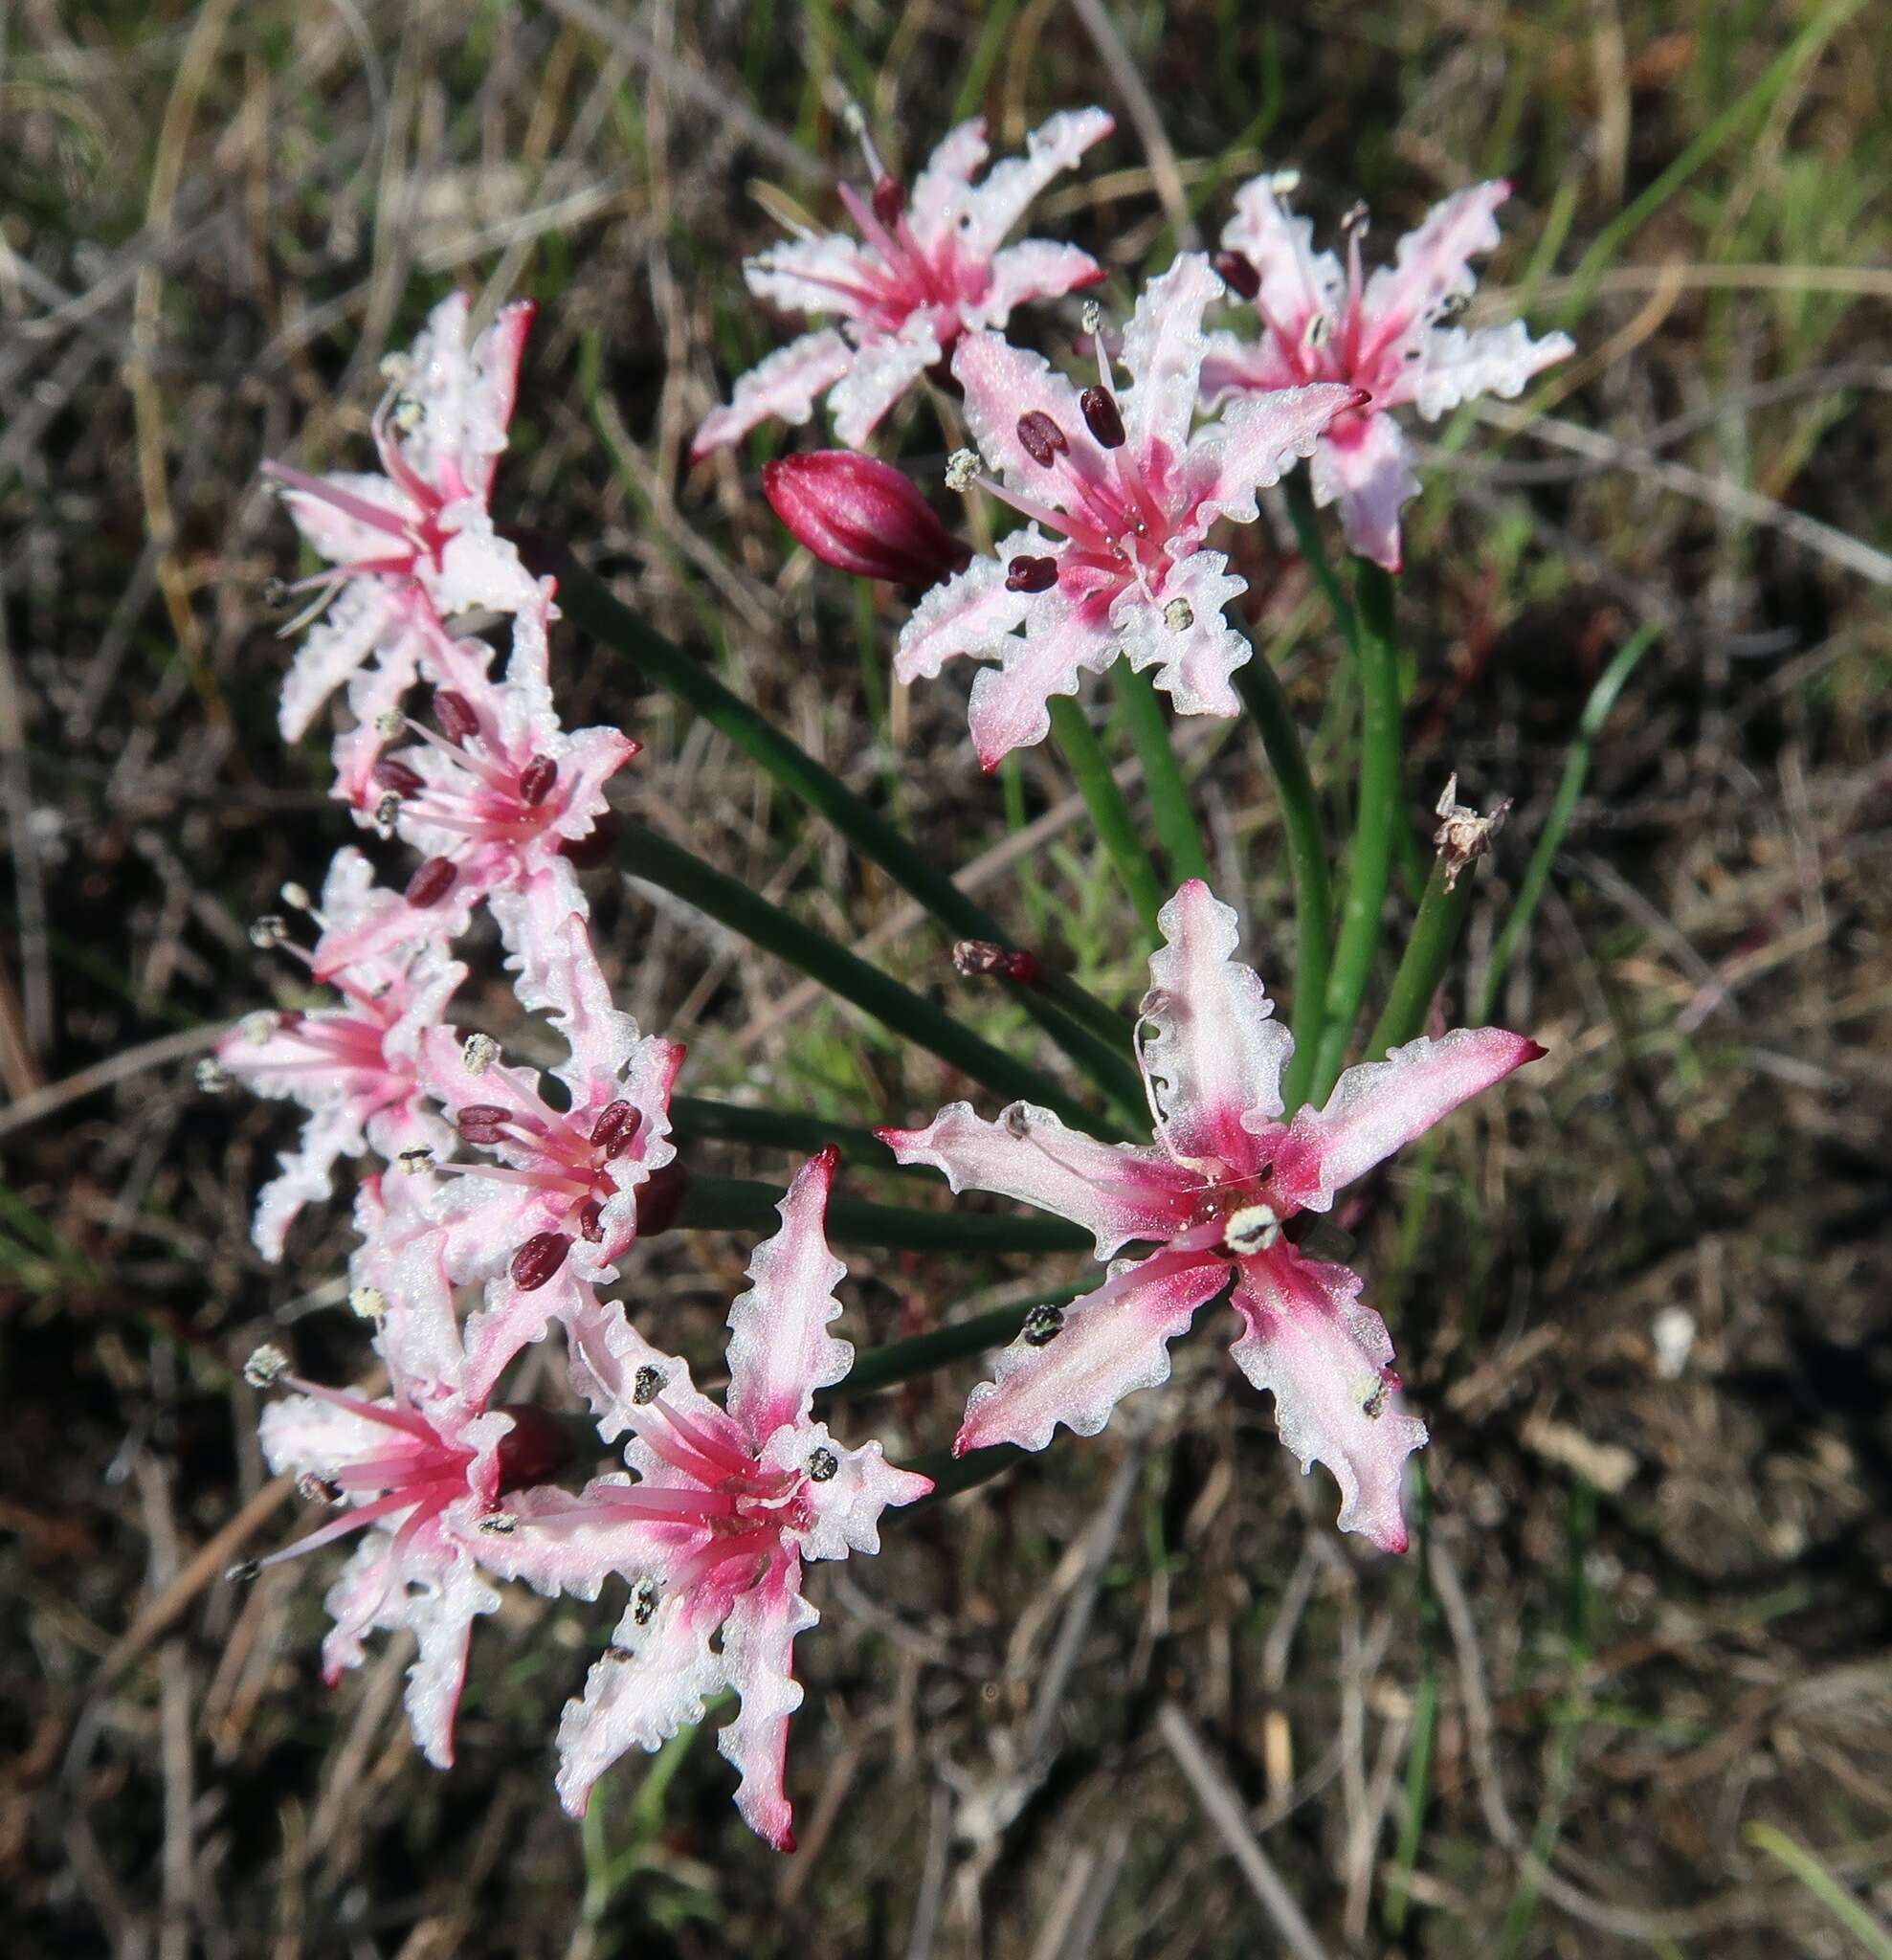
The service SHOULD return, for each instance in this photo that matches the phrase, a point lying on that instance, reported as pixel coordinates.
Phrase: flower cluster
(502, 1203)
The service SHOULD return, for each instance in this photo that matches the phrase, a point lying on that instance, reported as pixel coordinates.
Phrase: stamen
(962, 469)
(431, 882)
(212, 1077)
(1030, 575)
(264, 1365)
(1238, 273)
(1043, 437)
(268, 932)
(535, 1263)
(391, 773)
(484, 1122)
(455, 714)
(1043, 1325)
(536, 780)
(1102, 415)
(615, 1128)
(478, 1053)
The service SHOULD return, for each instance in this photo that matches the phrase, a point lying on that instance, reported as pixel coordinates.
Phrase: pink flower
(422, 526)
(713, 1532)
(497, 791)
(557, 1196)
(1134, 495)
(352, 1066)
(1217, 1195)
(426, 1465)
(1390, 338)
(861, 517)
(925, 272)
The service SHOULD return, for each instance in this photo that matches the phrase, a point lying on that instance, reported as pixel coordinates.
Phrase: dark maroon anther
(1030, 575)
(534, 1450)
(890, 200)
(861, 516)
(483, 1122)
(538, 1259)
(1238, 273)
(536, 780)
(455, 714)
(979, 958)
(660, 1197)
(1041, 436)
(391, 773)
(432, 881)
(591, 1221)
(1102, 416)
(615, 1129)
(595, 847)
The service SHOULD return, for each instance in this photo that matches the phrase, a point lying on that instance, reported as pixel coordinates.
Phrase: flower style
(1218, 1194)
(420, 530)
(1390, 338)
(352, 1066)
(558, 1194)
(1134, 496)
(923, 272)
(425, 1465)
(713, 1532)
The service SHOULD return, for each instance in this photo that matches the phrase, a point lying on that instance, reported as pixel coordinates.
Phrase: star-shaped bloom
(1217, 1195)
(712, 1534)
(1133, 494)
(498, 793)
(557, 1196)
(422, 526)
(923, 271)
(425, 1465)
(352, 1066)
(1390, 337)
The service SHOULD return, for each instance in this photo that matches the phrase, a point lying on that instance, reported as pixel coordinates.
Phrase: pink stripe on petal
(1217, 1054)
(1380, 1106)
(780, 1351)
(758, 1657)
(1325, 1360)
(1259, 438)
(1075, 1369)
(783, 386)
(1115, 1191)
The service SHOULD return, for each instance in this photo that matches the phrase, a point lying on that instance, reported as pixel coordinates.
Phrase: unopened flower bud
(862, 517)
(660, 1197)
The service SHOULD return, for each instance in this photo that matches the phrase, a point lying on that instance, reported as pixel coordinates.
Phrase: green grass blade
(1116, 828)
(1870, 1932)
(1176, 831)
(741, 1204)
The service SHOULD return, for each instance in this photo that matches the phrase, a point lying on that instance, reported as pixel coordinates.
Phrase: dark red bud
(659, 1198)
(861, 517)
(538, 1259)
(535, 1449)
(591, 1221)
(432, 881)
(536, 780)
(1238, 273)
(394, 775)
(1041, 436)
(1030, 575)
(890, 200)
(595, 847)
(614, 1130)
(483, 1122)
(1102, 416)
(455, 714)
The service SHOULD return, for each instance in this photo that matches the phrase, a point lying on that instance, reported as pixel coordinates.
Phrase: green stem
(1870, 1932)
(1371, 858)
(1260, 691)
(695, 1118)
(1298, 496)
(1422, 965)
(741, 1204)
(1116, 830)
(953, 1474)
(588, 602)
(1175, 822)
(898, 1361)
(646, 854)
(1563, 806)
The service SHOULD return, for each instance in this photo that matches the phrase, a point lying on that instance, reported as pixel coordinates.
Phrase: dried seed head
(478, 1054)
(962, 466)
(370, 1303)
(1464, 836)
(264, 1365)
